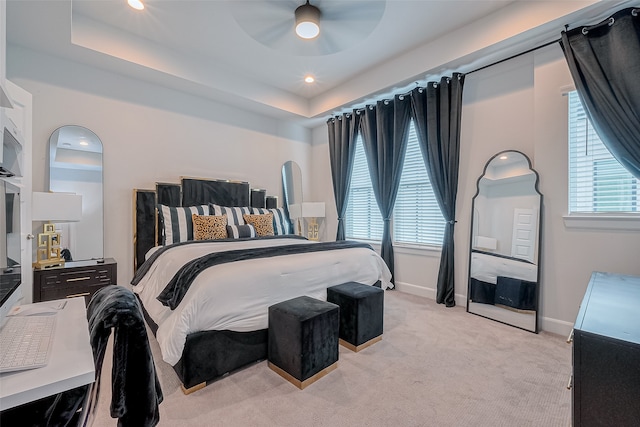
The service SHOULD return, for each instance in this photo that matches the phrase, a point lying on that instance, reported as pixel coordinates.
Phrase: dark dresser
(75, 278)
(606, 353)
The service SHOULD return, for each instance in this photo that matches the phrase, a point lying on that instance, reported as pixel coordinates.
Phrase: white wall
(154, 134)
(516, 105)
(150, 134)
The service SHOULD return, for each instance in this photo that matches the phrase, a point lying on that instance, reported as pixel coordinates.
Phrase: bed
(207, 301)
(503, 280)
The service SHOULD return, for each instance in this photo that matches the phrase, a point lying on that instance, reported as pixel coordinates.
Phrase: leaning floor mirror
(505, 242)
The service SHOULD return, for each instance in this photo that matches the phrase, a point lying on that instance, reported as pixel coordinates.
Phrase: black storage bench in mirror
(504, 254)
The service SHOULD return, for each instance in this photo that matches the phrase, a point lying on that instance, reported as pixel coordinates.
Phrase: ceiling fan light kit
(136, 4)
(307, 21)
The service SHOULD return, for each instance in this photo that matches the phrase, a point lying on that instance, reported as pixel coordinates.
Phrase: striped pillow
(234, 214)
(240, 231)
(280, 219)
(177, 225)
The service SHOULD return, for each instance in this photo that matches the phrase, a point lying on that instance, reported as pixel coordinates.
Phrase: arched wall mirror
(75, 165)
(292, 189)
(292, 183)
(505, 242)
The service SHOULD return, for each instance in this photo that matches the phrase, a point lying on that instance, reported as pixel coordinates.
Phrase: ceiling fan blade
(352, 11)
(342, 23)
(272, 36)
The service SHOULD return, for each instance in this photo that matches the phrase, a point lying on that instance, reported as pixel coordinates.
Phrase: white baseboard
(421, 291)
(555, 326)
(546, 324)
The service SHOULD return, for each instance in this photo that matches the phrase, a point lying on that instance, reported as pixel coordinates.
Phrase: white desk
(70, 362)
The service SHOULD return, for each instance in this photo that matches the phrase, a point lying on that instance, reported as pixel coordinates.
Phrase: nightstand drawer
(80, 278)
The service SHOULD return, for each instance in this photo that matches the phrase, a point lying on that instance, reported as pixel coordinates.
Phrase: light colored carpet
(435, 366)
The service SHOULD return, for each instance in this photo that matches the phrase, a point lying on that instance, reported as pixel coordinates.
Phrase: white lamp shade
(312, 209)
(56, 207)
(295, 211)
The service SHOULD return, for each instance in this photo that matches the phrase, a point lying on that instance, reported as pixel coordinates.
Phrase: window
(363, 219)
(416, 216)
(597, 181)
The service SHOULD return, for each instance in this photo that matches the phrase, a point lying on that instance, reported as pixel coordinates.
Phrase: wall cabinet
(606, 353)
(76, 278)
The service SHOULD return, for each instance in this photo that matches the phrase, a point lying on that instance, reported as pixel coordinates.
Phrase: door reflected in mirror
(505, 243)
(75, 166)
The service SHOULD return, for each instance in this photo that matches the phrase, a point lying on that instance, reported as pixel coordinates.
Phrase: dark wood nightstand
(76, 278)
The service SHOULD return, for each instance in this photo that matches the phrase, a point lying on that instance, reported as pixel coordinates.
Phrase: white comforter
(236, 296)
(487, 268)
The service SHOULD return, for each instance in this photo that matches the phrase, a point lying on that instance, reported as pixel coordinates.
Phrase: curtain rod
(359, 110)
(513, 56)
(609, 21)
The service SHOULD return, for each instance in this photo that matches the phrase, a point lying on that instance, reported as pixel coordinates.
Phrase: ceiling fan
(343, 23)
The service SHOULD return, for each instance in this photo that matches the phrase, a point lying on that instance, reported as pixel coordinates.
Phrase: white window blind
(416, 216)
(363, 219)
(597, 181)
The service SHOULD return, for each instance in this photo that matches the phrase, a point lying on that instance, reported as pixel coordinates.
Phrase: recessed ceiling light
(85, 143)
(503, 157)
(309, 79)
(136, 4)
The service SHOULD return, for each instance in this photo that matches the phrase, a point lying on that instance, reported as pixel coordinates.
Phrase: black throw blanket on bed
(175, 291)
(144, 268)
(136, 391)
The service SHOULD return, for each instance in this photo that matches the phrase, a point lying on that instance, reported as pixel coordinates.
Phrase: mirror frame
(97, 139)
(538, 238)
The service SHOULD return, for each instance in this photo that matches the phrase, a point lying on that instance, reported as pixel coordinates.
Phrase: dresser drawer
(85, 291)
(75, 277)
(82, 278)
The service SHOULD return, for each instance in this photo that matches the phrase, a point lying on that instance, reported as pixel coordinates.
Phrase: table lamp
(53, 207)
(312, 211)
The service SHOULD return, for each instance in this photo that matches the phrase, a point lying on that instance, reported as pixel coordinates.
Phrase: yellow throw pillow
(207, 227)
(262, 223)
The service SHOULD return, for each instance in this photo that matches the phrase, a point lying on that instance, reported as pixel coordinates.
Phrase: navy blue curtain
(437, 111)
(604, 60)
(342, 145)
(385, 129)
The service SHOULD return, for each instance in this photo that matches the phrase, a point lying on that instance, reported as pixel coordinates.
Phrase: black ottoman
(303, 339)
(361, 313)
